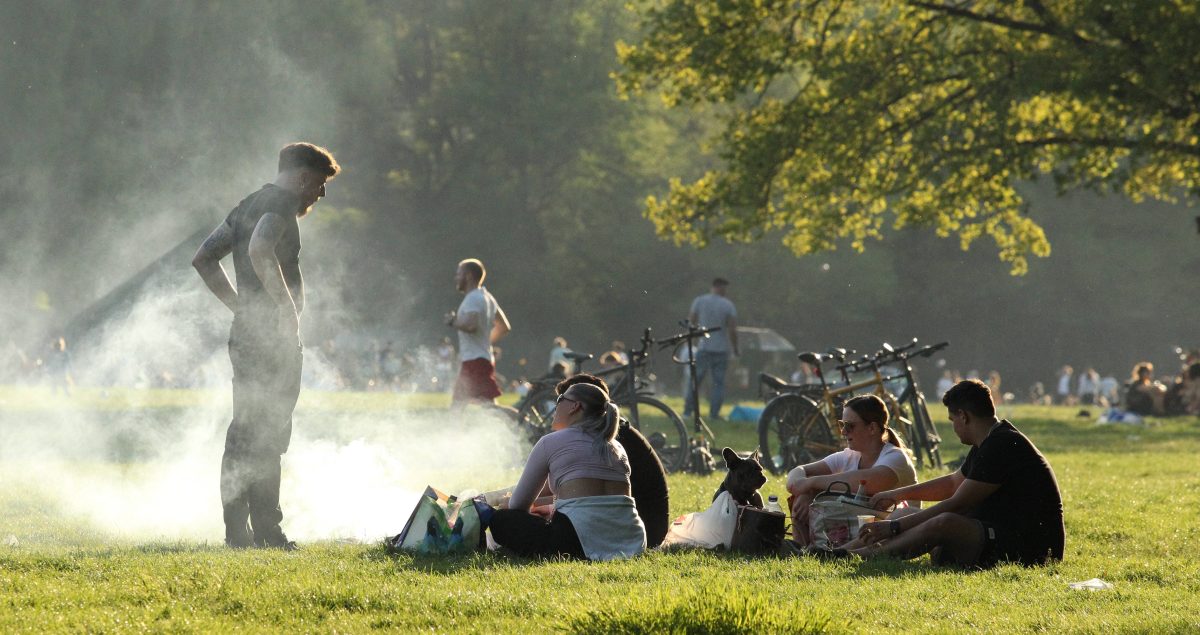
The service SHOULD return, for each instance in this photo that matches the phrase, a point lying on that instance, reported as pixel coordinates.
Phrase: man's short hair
(972, 396)
(720, 282)
(475, 268)
(306, 156)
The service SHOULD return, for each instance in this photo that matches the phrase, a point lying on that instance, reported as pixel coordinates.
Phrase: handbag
(758, 531)
(835, 518)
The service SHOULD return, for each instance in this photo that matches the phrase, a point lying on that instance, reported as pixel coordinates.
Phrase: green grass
(1131, 496)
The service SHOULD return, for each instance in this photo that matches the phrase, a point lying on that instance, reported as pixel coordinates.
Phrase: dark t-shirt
(255, 308)
(1028, 505)
(647, 483)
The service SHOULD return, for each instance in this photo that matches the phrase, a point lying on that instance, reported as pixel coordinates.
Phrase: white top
(891, 457)
(477, 345)
(713, 311)
(1064, 384)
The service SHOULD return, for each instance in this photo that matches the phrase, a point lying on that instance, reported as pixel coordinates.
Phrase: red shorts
(476, 382)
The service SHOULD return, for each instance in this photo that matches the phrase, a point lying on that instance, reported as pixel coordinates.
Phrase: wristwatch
(895, 527)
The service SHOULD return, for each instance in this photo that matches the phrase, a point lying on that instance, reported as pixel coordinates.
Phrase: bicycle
(793, 423)
(797, 418)
(924, 435)
(661, 425)
(536, 408)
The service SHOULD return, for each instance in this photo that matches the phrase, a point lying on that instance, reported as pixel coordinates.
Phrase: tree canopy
(844, 119)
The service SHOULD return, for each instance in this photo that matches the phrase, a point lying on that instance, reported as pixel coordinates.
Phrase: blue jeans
(715, 362)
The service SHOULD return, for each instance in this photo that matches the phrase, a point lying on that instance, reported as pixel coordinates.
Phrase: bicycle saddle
(779, 385)
(578, 357)
(813, 359)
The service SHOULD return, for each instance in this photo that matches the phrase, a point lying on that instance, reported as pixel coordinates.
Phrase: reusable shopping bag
(440, 524)
(835, 516)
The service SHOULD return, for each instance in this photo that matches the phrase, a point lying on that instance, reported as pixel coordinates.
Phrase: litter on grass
(1095, 584)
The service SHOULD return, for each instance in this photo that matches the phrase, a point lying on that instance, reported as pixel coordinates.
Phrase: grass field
(1131, 496)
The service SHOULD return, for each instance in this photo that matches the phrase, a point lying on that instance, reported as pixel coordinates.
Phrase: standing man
(264, 342)
(713, 310)
(480, 322)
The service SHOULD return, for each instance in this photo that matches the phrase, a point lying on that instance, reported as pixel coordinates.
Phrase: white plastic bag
(708, 529)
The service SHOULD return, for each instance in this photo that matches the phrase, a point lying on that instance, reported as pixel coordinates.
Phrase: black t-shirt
(647, 483)
(255, 308)
(1028, 504)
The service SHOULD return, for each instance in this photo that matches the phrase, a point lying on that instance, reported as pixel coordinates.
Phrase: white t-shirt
(477, 345)
(891, 457)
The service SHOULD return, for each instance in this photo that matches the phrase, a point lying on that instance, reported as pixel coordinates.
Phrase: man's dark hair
(307, 156)
(581, 378)
(720, 282)
(475, 267)
(972, 396)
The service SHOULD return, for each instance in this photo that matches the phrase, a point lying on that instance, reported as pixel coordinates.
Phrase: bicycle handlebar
(694, 332)
(642, 352)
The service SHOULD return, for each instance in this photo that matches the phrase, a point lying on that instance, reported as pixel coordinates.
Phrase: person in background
(480, 323)
(1088, 386)
(263, 237)
(1144, 395)
(558, 355)
(619, 352)
(1109, 391)
(993, 382)
(713, 310)
(58, 367)
(1063, 393)
(946, 382)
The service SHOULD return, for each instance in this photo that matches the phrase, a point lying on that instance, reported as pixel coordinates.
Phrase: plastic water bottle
(773, 504)
(860, 496)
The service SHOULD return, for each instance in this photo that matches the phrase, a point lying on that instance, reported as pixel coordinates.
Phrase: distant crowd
(378, 365)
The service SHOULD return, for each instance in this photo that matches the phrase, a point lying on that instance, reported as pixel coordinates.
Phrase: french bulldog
(744, 479)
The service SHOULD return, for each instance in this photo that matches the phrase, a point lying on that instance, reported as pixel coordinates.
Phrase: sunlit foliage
(847, 119)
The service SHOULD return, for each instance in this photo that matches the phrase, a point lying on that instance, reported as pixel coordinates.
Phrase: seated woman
(593, 515)
(647, 478)
(873, 454)
(1144, 395)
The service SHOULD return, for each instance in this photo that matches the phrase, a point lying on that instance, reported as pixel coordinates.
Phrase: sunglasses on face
(846, 426)
(562, 398)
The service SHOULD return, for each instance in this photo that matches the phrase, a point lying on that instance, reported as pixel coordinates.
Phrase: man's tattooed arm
(207, 262)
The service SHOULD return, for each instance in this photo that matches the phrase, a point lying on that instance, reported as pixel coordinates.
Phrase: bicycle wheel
(793, 431)
(535, 414)
(663, 428)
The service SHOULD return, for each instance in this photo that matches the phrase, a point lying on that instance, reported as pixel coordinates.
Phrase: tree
(844, 119)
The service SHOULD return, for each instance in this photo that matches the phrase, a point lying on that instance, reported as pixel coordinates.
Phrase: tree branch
(1112, 142)
(989, 18)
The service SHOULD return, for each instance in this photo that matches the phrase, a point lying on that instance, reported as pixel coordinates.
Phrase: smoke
(134, 452)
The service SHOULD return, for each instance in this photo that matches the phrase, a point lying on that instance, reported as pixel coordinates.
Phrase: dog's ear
(731, 458)
(756, 455)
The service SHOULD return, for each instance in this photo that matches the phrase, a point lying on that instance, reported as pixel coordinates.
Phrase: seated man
(1003, 504)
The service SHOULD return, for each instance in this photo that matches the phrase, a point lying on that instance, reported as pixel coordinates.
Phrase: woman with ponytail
(593, 515)
(873, 454)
